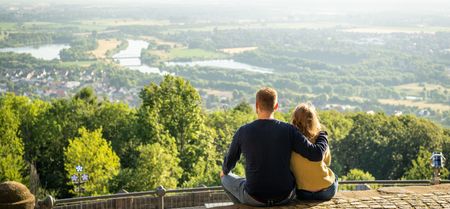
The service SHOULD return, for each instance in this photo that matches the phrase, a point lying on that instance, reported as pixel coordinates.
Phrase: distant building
(370, 112)
(398, 113)
(424, 112)
(414, 98)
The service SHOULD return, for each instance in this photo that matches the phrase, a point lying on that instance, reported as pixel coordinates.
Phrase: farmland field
(420, 104)
(103, 46)
(183, 53)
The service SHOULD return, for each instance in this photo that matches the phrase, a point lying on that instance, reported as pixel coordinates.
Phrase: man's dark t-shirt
(267, 146)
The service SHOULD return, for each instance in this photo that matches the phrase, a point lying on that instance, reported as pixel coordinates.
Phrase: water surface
(46, 52)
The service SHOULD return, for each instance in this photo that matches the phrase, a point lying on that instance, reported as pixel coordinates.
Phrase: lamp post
(437, 162)
(79, 179)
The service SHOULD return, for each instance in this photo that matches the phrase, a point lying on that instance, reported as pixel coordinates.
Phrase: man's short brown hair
(266, 98)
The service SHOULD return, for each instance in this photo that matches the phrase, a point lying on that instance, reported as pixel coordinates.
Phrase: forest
(171, 140)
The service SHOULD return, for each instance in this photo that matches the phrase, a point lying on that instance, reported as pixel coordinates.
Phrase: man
(266, 144)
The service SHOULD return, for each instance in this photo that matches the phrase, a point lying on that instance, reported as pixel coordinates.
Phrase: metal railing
(387, 182)
(186, 197)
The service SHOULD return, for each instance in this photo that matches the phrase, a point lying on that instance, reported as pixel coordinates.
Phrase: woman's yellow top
(312, 176)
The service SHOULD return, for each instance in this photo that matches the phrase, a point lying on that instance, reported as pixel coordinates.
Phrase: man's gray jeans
(234, 187)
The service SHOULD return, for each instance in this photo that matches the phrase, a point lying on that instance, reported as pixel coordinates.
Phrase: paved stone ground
(389, 197)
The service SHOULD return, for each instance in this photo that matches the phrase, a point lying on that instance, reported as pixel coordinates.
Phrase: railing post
(47, 203)
(436, 177)
(160, 191)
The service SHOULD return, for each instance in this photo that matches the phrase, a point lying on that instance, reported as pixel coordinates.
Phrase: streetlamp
(79, 179)
(437, 162)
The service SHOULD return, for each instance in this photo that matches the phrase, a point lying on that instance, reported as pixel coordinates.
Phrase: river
(46, 52)
(225, 64)
(130, 57)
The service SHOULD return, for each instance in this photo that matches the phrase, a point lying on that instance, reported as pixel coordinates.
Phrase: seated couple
(282, 161)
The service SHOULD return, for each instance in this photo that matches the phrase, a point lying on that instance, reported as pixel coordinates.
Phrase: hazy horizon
(318, 5)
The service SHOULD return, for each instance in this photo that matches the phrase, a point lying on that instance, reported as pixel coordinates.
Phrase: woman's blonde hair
(306, 119)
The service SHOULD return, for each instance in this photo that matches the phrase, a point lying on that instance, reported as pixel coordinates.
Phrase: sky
(336, 5)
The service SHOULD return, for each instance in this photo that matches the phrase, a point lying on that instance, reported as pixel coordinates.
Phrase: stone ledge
(388, 197)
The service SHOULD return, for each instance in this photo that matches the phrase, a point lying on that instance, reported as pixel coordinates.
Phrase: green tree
(11, 147)
(206, 168)
(244, 107)
(417, 133)
(96, 156)
(156, 166)
(336, 124)
(226, 123)
(421, 168)
(392, 141)
(87, 94)
(176, 105)
(52, 131)
(355, 174)
(118, 123)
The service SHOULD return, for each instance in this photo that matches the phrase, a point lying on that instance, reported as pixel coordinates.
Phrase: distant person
(266, 144)
(315, 180)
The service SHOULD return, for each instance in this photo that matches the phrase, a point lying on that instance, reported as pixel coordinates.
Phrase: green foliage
(156, 166)
(243, 107)
(177, 106)
(355, 174)
(421, 168)
(205, 173)
(392, 140)
(79, 50)
(87, 94)
(225, 123)
(19, 115)
(118, 122)
(207, 166)
(99, 161)
(336, 124)
(31, 38)
(11, 147)
(52, 132)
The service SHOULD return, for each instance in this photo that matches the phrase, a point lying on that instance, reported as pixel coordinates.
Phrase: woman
(315, 180)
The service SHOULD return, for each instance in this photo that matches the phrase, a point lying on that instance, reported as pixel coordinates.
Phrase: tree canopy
(97, 158)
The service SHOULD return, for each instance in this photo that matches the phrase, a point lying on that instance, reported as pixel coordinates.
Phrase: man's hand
(221, 174)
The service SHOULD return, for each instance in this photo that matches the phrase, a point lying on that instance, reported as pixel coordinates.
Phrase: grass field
(415, 89)
(358, 99)
(103, 46)
(384, 29)
(184, 53)
(7, 26)
(162, 42)
(35, 26)
(257, 25)
(419, 104)
(120, 22)
(79, 63)
(218, 93)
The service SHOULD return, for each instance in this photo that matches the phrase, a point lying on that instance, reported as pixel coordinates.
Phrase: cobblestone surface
(393, 197)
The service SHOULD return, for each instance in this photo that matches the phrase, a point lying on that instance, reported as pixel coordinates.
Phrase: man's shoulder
(284, 124)
(257, 123)
(247, 126)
